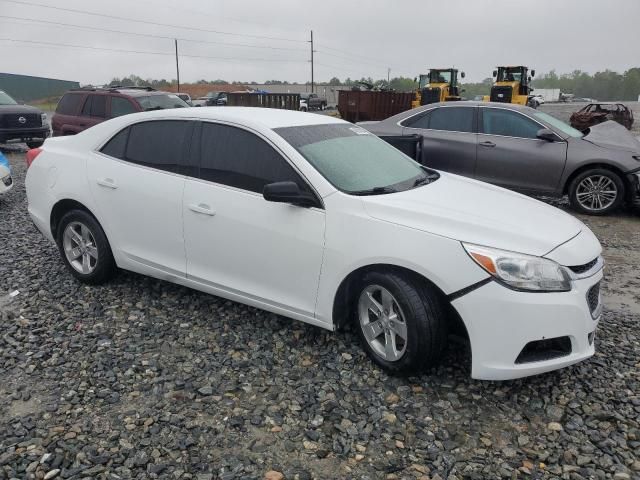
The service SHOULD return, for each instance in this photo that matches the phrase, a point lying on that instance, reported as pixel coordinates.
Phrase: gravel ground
(144, 379)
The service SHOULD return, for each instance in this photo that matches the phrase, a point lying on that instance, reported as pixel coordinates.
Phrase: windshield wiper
(426, 179)
(374, 191)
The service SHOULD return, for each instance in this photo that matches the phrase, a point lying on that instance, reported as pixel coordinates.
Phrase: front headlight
(519, 271)
(43, 117)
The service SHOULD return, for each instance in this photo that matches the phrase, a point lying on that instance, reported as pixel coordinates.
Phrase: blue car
(6, 182)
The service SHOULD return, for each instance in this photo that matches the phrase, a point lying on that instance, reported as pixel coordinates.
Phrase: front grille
(12, 120)
(430, 95)
(501, 94)
(547, 349)
(583, 268)
(593, 297)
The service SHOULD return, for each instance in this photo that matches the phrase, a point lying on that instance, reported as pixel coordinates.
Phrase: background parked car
(313, 101)
(523, 149)
(21, 122)
(185, 97)
(80, 109)
(596, 113)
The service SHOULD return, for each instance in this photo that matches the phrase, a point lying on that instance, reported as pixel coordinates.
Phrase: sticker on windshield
(359, 131)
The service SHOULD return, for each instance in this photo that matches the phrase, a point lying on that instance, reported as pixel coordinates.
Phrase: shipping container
(360, 106)
(286, 101)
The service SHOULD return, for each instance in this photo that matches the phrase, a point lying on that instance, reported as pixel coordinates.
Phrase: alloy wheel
(596, 192)
(382, 322)
(80, 247)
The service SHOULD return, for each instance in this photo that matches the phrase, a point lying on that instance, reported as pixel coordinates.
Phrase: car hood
(476, 212)
(611, 134)
(18, 109)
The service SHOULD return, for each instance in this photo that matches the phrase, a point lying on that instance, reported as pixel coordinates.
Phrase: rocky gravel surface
(144, 379)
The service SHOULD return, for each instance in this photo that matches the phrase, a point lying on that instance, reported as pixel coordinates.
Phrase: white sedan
(316, 219)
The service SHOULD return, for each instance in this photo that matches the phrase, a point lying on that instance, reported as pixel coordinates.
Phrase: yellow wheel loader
(512, 85)
(439, 85)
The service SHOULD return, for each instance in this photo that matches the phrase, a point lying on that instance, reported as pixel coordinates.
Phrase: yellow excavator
(512, 85)
(439, 85)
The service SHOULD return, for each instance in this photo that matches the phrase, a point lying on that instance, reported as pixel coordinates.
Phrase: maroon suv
(85, 107)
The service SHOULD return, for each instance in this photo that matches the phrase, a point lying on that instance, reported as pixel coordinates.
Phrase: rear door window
(453, 119)
(418, 121)
(95, 106)
(238, 158)
(157, 144)
(117, 145)
(69, 103)
(507, 123)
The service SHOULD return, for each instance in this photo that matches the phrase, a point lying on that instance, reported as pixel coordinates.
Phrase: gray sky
(353, 38)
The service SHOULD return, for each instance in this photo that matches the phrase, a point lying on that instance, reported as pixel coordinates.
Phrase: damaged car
(596, 113)
(526, 150)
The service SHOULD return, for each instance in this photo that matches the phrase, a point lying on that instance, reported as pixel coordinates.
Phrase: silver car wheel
(596, 192)
(80, 247)
(382, 322)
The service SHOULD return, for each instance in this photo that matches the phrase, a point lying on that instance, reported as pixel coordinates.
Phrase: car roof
(476, 103)
(131, 92)
(266, 117)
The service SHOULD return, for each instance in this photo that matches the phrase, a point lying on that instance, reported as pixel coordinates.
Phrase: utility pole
(388, 75)
(311, 61)
(177, 65)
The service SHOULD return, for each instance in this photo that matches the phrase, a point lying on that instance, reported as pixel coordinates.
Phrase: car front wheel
(400, 322)
(84, 247)
(596, 192)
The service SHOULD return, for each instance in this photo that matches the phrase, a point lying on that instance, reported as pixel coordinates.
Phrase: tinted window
(453, 119)
(95, 106)
(160, 102)
(69, 103)
(418, 121)
(121, 106)
(235, 157)
(157, 144)
(117, 145)
(497, 121)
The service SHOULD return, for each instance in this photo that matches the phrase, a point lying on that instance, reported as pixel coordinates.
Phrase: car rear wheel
(596, 192)
(400, 322)
(84, 247)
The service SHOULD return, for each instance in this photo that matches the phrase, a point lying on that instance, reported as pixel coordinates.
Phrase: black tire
(424, 318)
(576, 189)
(35, 143)
(105, 265)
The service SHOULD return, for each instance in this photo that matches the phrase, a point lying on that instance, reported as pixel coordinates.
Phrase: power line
(146, 52)
(150, 35)
(148, 22)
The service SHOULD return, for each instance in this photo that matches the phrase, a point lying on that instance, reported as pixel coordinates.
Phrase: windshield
(559, 124)
(354, 160)
(439, 76)
(509, 74)
(160, 102)
(6, 99)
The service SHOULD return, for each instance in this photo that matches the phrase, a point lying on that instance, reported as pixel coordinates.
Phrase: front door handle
(107, 182)
(202, 208)
(487, 144)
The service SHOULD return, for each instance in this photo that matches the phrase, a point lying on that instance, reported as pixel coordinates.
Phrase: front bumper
(24, 134)
(502, 322)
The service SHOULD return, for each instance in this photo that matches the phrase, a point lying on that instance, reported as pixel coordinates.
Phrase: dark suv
(21, 122)
(85, 107)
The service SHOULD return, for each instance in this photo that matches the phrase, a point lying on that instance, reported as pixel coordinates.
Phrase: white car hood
(475, 212)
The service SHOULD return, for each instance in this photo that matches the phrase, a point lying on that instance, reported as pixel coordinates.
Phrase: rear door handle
(487, 144)
(107, 182)
(202, 208)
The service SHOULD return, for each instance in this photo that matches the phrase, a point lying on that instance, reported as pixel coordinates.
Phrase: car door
(236, 241)
(138, 192)
(449, 138)
(93, 111)
(511, 155)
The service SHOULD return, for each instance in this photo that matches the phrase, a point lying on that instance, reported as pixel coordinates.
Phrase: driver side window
(507, 123)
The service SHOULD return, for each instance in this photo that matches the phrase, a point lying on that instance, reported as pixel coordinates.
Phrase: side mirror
(529, 78)
(462, 74)
(495, 73)
(288, 192)
(546, 134)
(533, 73)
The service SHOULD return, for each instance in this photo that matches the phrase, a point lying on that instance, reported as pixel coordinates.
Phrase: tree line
(607, 85)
